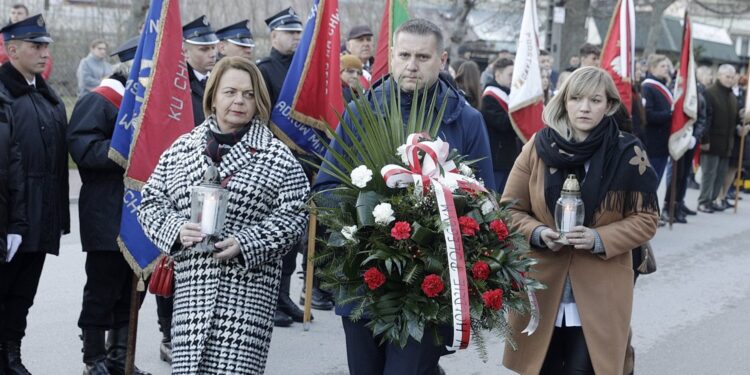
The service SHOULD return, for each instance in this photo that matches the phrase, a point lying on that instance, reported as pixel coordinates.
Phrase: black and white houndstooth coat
(223, 310)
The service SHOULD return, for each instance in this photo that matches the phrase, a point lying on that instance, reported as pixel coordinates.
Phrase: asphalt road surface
(690, 317)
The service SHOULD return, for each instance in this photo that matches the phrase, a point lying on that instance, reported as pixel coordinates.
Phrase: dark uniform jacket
(40, 123)
(100, 201)
(274, 69)
(12, 184)
(196, 95)
(658, 120)
(722, 106)
(504, 141)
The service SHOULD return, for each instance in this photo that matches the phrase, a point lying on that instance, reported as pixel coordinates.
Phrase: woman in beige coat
(585, 310)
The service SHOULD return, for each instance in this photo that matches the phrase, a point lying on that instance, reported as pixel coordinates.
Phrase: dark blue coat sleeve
(90, 131)
(657, 113)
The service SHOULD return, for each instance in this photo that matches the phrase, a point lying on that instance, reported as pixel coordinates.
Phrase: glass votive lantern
(208, 207)
(569, 207)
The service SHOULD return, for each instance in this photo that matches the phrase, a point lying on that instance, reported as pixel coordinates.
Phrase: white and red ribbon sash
(499, 95)
(456, 267)
(662, 89)
(437, 171)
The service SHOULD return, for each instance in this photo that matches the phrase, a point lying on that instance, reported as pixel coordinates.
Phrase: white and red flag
(619, 50)
(685, 104)
(526, 101)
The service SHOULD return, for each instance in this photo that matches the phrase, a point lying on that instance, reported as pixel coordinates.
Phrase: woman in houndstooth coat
(224, 302)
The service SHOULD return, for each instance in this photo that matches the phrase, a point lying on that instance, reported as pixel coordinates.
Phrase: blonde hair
(584, 81)
(262, 98)
(654, 60)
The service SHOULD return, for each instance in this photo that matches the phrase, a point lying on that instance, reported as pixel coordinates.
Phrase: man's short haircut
(727, 69)
(543, 52)
(419, 26)
(589, 49)
(20, 6)
(501, 64)
(96, 42)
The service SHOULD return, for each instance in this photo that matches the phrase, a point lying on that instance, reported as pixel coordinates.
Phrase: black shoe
(94, 352)
(679, 217)
(321, 300)
(165, 347)
(117, 349)
(685, 210)
(706, 208)
(693, 185)
(280, 319)
(717, 207)
(290, 308)
(12, 359)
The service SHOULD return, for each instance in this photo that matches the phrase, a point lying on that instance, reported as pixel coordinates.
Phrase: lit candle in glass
(208, 214)
(569, 207)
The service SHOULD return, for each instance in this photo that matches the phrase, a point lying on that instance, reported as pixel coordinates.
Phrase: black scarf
(18, 86)
(219, 144)
(619, 177)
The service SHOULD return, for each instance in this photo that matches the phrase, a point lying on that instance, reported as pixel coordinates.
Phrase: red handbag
(162, 279)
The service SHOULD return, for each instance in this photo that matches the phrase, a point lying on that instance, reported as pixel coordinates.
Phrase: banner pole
(310, 270)
(132, 326)
(738, 178)
(673, 191)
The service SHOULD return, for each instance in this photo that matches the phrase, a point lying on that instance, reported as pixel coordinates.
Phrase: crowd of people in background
(480, 107)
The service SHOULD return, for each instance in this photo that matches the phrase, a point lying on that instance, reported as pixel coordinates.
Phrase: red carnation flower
(480, 270)
(432, 285)
(499, 227)
(469, 226)
(374, 278)
(493, 299)
(401, 230)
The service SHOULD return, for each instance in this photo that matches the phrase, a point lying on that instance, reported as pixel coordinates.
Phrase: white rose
(348, 232)
(466, 170)
(383, 213)
(487, 207)
(361, 176)
(401, 151)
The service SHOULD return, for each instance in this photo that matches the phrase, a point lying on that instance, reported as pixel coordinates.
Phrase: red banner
(618, 50)
(318, 98)
(685, 97)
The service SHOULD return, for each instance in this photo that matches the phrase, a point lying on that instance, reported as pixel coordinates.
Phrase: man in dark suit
(200, 50)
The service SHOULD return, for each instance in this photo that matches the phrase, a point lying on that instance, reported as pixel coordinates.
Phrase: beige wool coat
(602, 284)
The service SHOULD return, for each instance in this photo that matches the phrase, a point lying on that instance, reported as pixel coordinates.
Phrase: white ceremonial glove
(14, 241)
(693, 141)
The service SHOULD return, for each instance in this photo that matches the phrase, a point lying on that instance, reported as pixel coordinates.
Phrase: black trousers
(366, 356)
(106, 295)
(567, 353)
(164, 307)
(684, 167)
(19, 281)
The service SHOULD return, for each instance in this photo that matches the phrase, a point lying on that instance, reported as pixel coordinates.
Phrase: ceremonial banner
(685, 104)
(526, 101)
(311, 95)
(619, 49)
(155, 110)
(395, 13)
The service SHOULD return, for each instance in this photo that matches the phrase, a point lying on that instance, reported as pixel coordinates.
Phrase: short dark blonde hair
(262, 99)
(583, 81)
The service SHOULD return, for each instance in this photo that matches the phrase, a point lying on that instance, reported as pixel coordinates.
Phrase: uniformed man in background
(39, 125)
(200, 51)
(106, 295)
(286, 32)
(236, 40)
